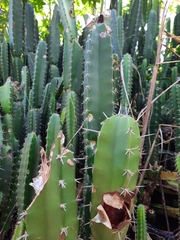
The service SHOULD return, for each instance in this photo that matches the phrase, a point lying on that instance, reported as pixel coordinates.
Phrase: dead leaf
(114, 211)
(174, 37)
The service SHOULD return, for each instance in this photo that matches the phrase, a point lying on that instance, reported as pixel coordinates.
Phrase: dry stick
(164, 204)
(151, 91)
(147, 162)
(155, 71)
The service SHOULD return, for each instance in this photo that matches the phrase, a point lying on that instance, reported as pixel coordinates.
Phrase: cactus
(56, 202)
(29, 28)
(16, 27)
(116, 162)
(68, 18)
(126, 76)
(150, 34)
(175, 102)
(54, 41)
(26, 87)
(49, 86)
(97, 44)
(4, 60)
(134, 22)
(39, 74)
(141, 223)
(6, 96)
(53, 130)
(71, 103)
(28, 169)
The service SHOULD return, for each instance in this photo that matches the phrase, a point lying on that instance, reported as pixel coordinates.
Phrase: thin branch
(155, 72)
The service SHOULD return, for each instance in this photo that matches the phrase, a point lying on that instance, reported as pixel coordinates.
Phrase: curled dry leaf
(114, 211)
(44, 172)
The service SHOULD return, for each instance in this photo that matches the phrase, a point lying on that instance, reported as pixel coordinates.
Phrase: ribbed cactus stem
(54, 207)
(141, 223)
(116, 163)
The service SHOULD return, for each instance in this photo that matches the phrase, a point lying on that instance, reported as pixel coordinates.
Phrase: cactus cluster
(69, 139)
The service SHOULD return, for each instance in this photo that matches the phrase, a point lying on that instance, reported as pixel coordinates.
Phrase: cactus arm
(26, 82)
(143, 72)
(54, 40)
(126, 75)
(54, 127)
(121, 35)
(4, 60)
(116, 85)
(31, 60)
(141, 223)
(116, 162)
(150, 34)
(17, 69)
(175, 91)
(53, 71)
(133, 23)
(136, 31)
(19, 231)
(176, 28)
(18, 120)
(33, 121)
(29, 27)
(67, 63)
(67, 17)
(95, 77)
(6, 96)
(6, 165)
(16, 27)
(28, 169)
(55, 207)
(77, 67)
(120, 7)
(115, 39)
(39, 74)
(71, 103)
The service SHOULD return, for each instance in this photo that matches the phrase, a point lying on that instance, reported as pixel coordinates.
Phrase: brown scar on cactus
(114, 210)
(43, 176)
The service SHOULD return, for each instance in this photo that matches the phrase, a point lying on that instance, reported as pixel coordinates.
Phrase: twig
(154, 76)
(164, 204)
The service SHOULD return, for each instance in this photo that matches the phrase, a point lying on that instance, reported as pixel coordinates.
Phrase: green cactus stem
(4, 60)
(16, 27)
(30, 160)
(98, 99)
(55, 206)
(54, 40)
(6, 96)
(141, 223)
(53, 130)
(68, 18)
(29, 27)
(126, 76)
(116, 163)
(39, 74)
(150, 35)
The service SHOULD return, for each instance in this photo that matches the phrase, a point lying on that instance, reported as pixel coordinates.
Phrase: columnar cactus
(55, 199)
(116, 163)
